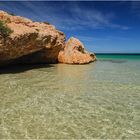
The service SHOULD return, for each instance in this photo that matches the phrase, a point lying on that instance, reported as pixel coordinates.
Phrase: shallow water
(99, 100)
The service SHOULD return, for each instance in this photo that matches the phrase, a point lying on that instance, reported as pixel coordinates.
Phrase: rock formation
(74, 53)
(38, 42)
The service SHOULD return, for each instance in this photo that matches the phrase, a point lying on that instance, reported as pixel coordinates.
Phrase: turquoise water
(119, 57)
(99, 100)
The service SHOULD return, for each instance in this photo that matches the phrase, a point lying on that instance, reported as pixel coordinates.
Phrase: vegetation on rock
(4, 30)
(12, 14)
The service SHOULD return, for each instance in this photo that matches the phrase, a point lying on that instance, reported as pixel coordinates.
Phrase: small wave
(114, 61)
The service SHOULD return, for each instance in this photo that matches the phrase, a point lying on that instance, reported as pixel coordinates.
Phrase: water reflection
(75, 72)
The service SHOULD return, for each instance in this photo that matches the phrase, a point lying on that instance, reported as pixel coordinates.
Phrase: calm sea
(99, 100)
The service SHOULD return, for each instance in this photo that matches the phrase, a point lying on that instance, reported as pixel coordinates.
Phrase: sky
(103, 27)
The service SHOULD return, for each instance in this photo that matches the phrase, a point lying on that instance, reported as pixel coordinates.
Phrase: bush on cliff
(12, 14)
(4, 30)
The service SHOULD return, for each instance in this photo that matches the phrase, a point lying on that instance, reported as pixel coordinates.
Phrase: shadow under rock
(12, 69)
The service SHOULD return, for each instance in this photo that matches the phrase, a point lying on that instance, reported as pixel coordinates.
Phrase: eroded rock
(38, 42)
(29, 37)
(75, 53)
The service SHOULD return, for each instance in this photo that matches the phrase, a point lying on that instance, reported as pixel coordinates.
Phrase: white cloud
(91, 39)
(76, 18)
(82, 18)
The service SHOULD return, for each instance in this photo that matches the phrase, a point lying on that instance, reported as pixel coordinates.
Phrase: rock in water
(29, 37)
(26, 41)
(74, 53)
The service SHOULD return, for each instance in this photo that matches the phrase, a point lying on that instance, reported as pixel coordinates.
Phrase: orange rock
(29, 37)
(74, 53)
(38, 42)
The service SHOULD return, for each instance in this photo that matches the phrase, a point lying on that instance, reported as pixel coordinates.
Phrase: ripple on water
(99, 100)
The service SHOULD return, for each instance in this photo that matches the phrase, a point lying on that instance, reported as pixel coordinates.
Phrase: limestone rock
(74, 53)
(29, 37)
(38, 42)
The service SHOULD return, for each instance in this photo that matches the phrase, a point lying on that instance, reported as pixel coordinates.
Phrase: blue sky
(102, 26)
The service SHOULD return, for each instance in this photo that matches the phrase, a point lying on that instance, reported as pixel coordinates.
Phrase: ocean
(99, 100)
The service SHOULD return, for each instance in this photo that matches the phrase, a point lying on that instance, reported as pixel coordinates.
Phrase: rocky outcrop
(29, 37)
(74, 53)
(38, 42)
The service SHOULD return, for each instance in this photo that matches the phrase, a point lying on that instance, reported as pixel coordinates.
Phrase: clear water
(99, 100)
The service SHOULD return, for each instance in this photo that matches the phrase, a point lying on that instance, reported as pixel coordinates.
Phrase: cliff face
(32, 42)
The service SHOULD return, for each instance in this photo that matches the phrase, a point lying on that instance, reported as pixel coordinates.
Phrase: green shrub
(4, 30)
(46, 22)
(12, 14)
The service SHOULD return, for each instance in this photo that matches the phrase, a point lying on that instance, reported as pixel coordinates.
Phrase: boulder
(75, 53)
